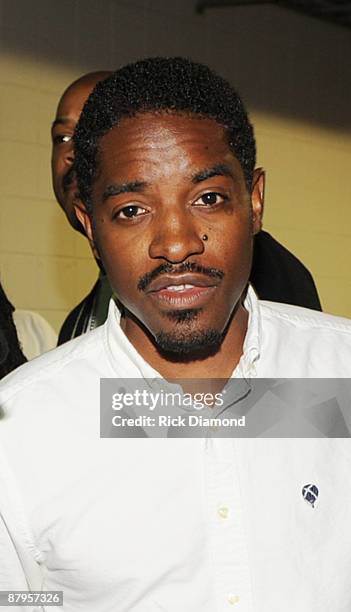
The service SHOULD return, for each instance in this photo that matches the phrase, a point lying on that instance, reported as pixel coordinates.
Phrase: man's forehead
(74, 97)
(72, 101)
(169, 140)
(145, 147)
(163, 129)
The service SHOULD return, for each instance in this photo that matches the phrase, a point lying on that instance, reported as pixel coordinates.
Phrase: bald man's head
(68, 111)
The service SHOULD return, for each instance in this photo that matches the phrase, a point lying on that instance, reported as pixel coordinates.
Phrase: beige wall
(292, 71)
(308, 201)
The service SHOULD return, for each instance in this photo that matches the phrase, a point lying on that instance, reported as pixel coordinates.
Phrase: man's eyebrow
(217, 170)
(59, 121)
(116, 189)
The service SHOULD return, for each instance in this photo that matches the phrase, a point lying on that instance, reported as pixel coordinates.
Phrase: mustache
(68, 179)
(168, 268)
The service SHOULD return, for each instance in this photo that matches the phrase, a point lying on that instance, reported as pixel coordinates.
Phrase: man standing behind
(276, 274)
(92, 311)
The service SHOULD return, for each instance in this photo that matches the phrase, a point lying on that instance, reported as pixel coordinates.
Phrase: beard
(190, 345)
(184, 342)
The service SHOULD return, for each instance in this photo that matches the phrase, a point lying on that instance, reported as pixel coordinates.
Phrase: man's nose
(176, 238)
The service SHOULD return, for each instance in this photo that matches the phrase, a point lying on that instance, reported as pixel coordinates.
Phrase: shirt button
(223, 512)
(233, 599)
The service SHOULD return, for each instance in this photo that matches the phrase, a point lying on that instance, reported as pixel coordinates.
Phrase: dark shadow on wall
(289, 64)
(283, 63)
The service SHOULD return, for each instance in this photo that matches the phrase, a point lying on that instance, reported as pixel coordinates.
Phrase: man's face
(63, 177)
(165, 183)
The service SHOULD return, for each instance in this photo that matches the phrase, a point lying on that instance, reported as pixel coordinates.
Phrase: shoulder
(302, 343)
(297, 317)
(64, 361)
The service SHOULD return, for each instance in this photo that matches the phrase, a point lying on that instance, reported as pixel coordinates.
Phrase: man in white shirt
(276, 274)
(165, 164)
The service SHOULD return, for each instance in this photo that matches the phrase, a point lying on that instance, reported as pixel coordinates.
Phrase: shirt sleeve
(20, 567)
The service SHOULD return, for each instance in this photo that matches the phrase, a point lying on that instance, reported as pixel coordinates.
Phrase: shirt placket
(231, 572)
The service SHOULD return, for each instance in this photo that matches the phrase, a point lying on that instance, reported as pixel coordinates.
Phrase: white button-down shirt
(174, 525)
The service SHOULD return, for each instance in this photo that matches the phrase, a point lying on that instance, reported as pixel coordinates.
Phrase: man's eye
(62, 138)
(129, 212)
(210, 199)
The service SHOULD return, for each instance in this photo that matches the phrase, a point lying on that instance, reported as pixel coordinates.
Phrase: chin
(189, 345)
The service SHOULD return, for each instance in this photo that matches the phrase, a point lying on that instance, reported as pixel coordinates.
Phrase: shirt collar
(124, 358)
(129, 363)
(252, 344)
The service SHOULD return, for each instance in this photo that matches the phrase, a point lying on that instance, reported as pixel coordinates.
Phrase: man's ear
(257, 198)
(85, 219)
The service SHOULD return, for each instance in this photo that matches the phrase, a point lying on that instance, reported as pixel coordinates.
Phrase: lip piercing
(204, 237)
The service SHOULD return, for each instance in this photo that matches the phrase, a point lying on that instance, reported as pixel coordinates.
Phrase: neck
(218, 365)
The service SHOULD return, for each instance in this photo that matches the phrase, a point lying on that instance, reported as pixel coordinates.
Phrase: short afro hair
(160, 85)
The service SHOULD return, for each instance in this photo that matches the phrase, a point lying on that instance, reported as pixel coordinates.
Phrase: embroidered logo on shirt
(310, 493)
